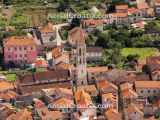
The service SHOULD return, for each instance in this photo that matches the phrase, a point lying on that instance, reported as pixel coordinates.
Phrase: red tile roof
(142, 5)
(4, 85)
(41, 63)
(128, 93)
(21, 115)
(112, 114)
(89, 89)
(77, 35)
(8, 95)
(65, 66)
(97, 69)
(132, 108)
(120, 7)
(56, 52)
(103, 84)
(63, 103)
(83, 99)
(120, 15)
(132, 10)
(19, 41)
(147, 84)
(109, 96)
(45, 114)
(157, 2)
(47, 28)
(93, 22)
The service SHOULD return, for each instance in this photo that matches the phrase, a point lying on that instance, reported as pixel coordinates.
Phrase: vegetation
(18, 20)
(143, 53)
(11, 77)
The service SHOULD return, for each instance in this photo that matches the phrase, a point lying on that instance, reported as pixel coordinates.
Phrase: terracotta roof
(140, 24)
(154, 63)
(39, 86)
(96, 69)
(6, 110)
(82, 98)
(93, 22)
(8, 95)
(89, 88)
(125, 86)
(120, 15)
(121, 7)
(132, 10)
(19, 41)
(142, 5)
(147, 84)
(47, 77)
(41, 63)
(153, 60)
(94, 49)
(65, 66)
(132, 108)
(21, 115)
(58, 90)
(157, 2)
(113, 114)
(103, 84)
(56, 52)
(47, 28)
(45, 114)
(109, 96)
(118, 76)
(128, 93)
(77, 35)
(63, 103)
(4, 85)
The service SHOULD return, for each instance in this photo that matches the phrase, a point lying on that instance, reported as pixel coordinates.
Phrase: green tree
(131, 62)
(63, 5)
(112, 56)
(18, 20)
(7, 2)
(90, 41)
(75, 22)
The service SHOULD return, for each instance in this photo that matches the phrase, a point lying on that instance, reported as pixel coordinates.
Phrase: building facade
(19, 49)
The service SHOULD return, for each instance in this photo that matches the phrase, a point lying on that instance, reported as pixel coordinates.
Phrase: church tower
(77, 41)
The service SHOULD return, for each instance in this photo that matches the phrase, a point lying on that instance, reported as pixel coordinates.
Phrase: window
(15, 49)
(141, 91)
(154, 91)
(20, 48)
(20, 55)
(16, 55)
(25, 48)
(9, 49)
(149, 91)
(25, 55)
(31, 48)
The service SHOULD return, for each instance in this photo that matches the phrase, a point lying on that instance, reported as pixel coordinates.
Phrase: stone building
(76, 39)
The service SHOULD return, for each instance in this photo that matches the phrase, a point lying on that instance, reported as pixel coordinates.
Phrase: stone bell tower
(77, 41)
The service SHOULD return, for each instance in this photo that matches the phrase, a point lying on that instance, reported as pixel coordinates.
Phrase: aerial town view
(79, 59)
